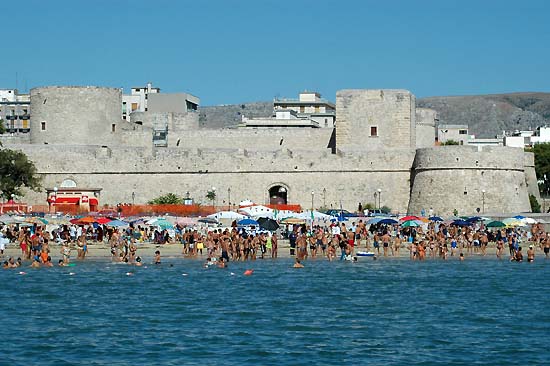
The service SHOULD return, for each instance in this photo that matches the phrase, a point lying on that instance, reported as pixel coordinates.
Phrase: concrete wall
(391, 111)
(174, 102)
(79, 115)
(449, 177)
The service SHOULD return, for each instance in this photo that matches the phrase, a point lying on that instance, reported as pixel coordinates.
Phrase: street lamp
(483, 201)
(379, 200)
(312, 197)
(229, 198)
(133, 198)
(324, 198)
(55, 189)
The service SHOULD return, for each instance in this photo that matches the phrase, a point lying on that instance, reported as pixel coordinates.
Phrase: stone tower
(375, 119)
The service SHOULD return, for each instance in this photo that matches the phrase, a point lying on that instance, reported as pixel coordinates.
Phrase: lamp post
(312, 197)
(379, 199)
(229, 199)
(324, 198)
(54, 199)
(133, 198)
(483, 201)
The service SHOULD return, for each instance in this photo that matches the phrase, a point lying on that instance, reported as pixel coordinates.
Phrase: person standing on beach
(386, 242)
(274, 246)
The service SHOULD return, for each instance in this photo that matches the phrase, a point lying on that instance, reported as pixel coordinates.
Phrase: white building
(458, 133)
(15, 110)
(283, 118)
(309, 105)
(137, 100)
(541, 135)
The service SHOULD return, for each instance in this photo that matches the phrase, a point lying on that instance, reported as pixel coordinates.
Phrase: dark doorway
(277, 195)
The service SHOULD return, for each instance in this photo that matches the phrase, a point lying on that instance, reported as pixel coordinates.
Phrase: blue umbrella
(435, 218)
(248, 222)
(461, 223)
(519, 217)
(387, 221)
(117, 223)
(473, 219)
(375, 220)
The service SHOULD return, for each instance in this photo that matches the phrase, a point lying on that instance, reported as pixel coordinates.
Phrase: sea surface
(383, 312)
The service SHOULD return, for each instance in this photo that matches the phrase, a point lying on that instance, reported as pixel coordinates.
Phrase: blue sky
(253, 50)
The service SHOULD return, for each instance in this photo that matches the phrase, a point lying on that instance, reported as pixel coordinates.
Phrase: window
(374, 131)
(302, 109)
(462, 132)
(134, 106)
(316, 109)
(43, 126)
(326, 122)
(137, 89)
(113, 127)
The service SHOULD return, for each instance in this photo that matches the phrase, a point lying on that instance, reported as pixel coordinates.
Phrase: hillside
(487, 115)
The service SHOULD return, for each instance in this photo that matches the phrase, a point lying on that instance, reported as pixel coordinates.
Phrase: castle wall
(454, 177)
(176, 121)
(530, 175)
(392, 112)
(79, 115)
(425, 127)
(349, 178)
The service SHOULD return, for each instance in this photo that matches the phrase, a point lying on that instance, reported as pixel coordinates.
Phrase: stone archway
(278, 194)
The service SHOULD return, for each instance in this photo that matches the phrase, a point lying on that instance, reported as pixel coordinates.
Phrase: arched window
(68, 183)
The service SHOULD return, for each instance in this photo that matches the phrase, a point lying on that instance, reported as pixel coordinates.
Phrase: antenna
(16, 81)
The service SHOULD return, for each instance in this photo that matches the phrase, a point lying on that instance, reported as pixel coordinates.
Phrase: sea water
(391, 312)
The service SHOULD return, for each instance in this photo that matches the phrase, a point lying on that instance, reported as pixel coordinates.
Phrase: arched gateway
(278, 194)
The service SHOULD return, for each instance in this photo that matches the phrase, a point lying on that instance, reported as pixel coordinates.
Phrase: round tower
(74, 115)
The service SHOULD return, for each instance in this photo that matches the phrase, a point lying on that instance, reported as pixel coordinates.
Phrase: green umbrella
(496, 224)
(410, 223)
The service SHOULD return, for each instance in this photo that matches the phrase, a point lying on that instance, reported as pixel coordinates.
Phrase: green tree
(167, 199)
(450, 142)
(535, 205)
(2, 128)
(542, 165)
(16, 172)
(385, 209)
(211, 196)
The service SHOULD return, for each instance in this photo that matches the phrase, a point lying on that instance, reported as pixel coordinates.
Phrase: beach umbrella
(410, 223)
(7, 219)
(231, 215)
(186, 221)
(461, 223)
(387, 221)
(247, 222)
(408, 218)
(293, 221)
(268, 224)
(512, 222)
(208, 220)
(375, 220)
(102, 220)
(496, 224)
(435, 218)
(474, 219)
(519, 217)
(37, 220)
(529, 220)
(117, 223)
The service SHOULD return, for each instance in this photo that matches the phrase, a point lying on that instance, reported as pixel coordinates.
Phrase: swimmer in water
(461, 257)
(138, 261)
(35, 263)
(297, 263)
(221, 263)
(157, 257)
(61, 263)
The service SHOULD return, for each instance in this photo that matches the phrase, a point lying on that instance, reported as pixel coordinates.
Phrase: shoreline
(173, 250)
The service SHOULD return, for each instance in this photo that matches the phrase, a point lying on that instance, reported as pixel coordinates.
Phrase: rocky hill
(486, 115)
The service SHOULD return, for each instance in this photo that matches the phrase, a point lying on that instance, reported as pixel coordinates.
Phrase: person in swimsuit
(530, 254)
(157, 257)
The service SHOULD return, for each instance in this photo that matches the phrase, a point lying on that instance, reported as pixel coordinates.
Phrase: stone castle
(381, 150)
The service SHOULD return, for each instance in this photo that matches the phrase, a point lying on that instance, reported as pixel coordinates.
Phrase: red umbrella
(409, 218)
(103, 220)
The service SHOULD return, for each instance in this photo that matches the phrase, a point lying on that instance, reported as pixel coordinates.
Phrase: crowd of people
(333, 241)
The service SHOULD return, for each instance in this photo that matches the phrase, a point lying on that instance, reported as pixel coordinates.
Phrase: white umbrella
(231, 215)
